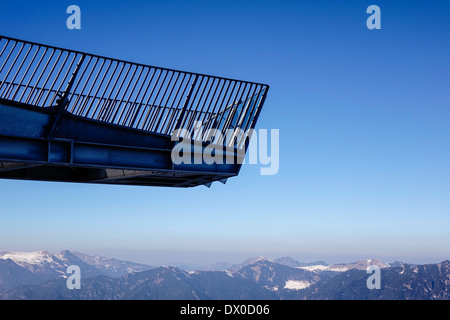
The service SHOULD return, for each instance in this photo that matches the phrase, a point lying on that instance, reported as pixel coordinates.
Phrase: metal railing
(134, 95)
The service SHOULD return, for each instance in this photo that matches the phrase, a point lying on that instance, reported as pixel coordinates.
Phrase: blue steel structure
(71, 116)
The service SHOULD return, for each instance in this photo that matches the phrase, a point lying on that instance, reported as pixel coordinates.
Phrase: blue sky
(364, 133)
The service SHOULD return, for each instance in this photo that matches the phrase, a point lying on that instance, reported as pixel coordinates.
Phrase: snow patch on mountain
(360, 265)
(296, 284)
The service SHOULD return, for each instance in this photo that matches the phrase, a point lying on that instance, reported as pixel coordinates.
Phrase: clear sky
(364, 120)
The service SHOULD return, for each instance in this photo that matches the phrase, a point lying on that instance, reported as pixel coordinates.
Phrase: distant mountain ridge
(109, 266)
(404, 282)
(12, 275)
(41, 275)
(45, 266)
(161, 283)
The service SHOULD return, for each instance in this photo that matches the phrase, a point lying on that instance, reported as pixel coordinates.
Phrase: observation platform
(71, 116)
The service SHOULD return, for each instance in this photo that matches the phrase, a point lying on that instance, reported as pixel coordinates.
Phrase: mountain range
(42, 275)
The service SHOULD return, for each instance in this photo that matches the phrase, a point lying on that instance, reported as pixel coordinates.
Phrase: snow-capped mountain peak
(50, 266)
(41, 263)
(34, 257)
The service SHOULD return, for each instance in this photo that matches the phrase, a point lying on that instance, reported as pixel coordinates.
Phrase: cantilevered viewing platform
(71, 116)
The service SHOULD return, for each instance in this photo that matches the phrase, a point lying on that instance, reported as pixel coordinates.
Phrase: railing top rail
(128, 62)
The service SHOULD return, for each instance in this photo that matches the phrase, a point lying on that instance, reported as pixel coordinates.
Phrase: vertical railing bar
(74, 90)
(26, 72)
(189, 121)
(117, 94)
(217, 122)
(152, 122)
(201, 96)
(38, 98)
(80, 105)
(234, 109)
(56, 77)
(258, 107)
(232, 112)
(208, 115)
(63, 103)
(161, 104)
(223, 100)
(123, 96)
(105, 90)
(135, 105)
(214, 115)
(253, 113)
(128, 100)
(63, 80)
(216, 86)
(166, 110)
(173, 102)
(139, 107)
(9, 86)
(248, 114)
(154, 116)
(190, 108)
(83, 108)
(30, 95)
(178, 124)
(18, 70)
(254, 107)
(153, 109)
(228, 108)
(108, 102)
(173, 118)
(198, 104)
(203, 107)
(12, 65)
(170, 125)
(103, 109)
(126, 111)
(7, 57)
(245, 102)
(166, 113)
(149, 97)
(34, 72)
(85, 102)
(247, 108)
(257, 112)
(98, 88)
(124, 93)
(4, 48)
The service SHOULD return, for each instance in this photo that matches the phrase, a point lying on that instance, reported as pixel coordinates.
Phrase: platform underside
(45, 172)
